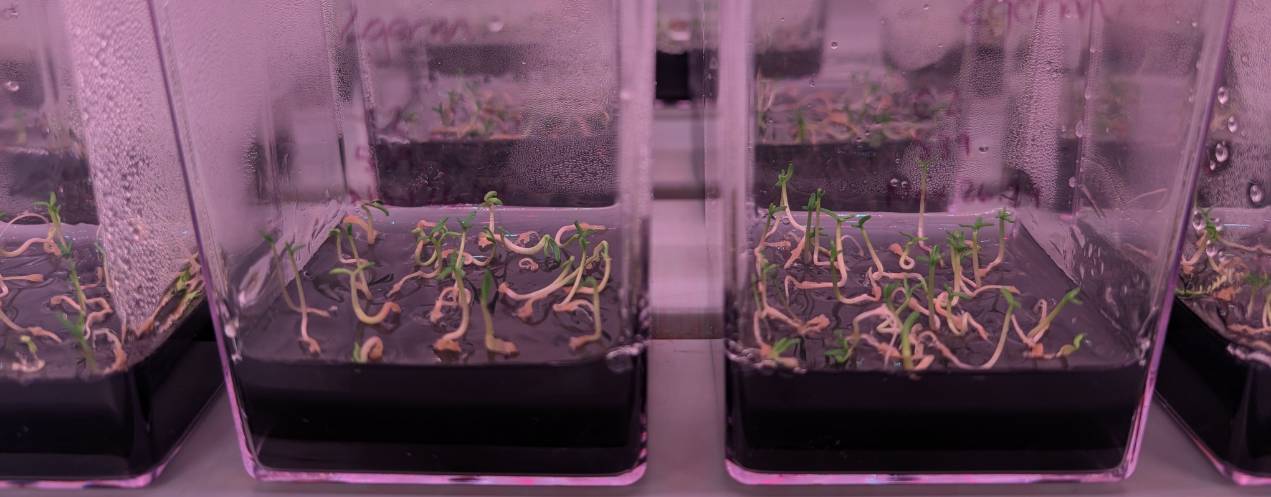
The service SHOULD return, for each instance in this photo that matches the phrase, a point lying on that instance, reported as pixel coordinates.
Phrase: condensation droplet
(984, 148)
(1221, 154)
(495, 25)
(1244, 58)
(895, 182)
(9, 13)
(1256, 194)
(1223, 96)
(12, 86)
(1232, 125)
(904, 185)
(834, 45)
(1198, 221)
(1195, 24)
(1211, 250)
(1213, 166)
(812, 83)
(926, 6)
(1072, 182)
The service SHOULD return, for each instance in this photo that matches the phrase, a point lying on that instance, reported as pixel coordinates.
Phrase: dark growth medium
(86, 398)
(927, 343)
(1215, 372)
(485, 341)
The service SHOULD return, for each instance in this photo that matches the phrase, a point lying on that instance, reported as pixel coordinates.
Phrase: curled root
(117, 347)
(527, 264)
(372, 350)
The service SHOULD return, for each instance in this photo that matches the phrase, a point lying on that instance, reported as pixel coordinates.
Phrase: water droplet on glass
(984, 148)
(1244, 58)
(495, 25)
(1072, 182)
(895, 182)
(1195, 24)
(904, 185)
(926, 6)
(1256, 194)
(834, 45)
(1222, 95)
(1232, 126)
(812, 83)
(780, 19)
(1211, 250)
(12, 86)
(1198, 221)
(1221, 154)
(1213, 166)
(9, 13)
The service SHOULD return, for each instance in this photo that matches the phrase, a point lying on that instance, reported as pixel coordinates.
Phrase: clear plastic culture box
(106, 353)
(1216, 364)
(952, 247)
(446, 284)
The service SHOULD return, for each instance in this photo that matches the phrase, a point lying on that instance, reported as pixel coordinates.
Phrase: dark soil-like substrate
(1071, 415)
(477, 59)
(789, 64)
(541, 172)
(1216, 395)
(547, 411)
(116, 426)
(34, 172)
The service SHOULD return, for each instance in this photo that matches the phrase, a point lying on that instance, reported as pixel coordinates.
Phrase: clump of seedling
(465, 112)
(1224, 271)
(82, 314)
(869, 109)
(905, 314)
(446, 255)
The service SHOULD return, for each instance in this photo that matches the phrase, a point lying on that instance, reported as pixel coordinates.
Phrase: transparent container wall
(789, 41)
(967, 203)
(476, 173)
(107, 355)
(1216, 366)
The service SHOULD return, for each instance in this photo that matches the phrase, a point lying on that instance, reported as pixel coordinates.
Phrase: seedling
(357, 283)
(780, 347)
(844, 349)
(492, 344)
(975, 248)
(1003, 218)
(1036, 333)
(899, 299)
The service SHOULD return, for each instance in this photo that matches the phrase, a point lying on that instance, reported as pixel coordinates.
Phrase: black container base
(116, 427)
(583, 418)
(1222, 400)
(954, 422)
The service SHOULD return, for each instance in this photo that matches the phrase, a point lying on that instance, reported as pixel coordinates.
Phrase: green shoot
(30, 344)
(845, 348)
(376, 205)
(1035, 334)
(491, 199)
(76, 328)
(780, 347)
(906, 345)
(812, 234)
(1072, 348)
(869, 244)
(783, 182)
